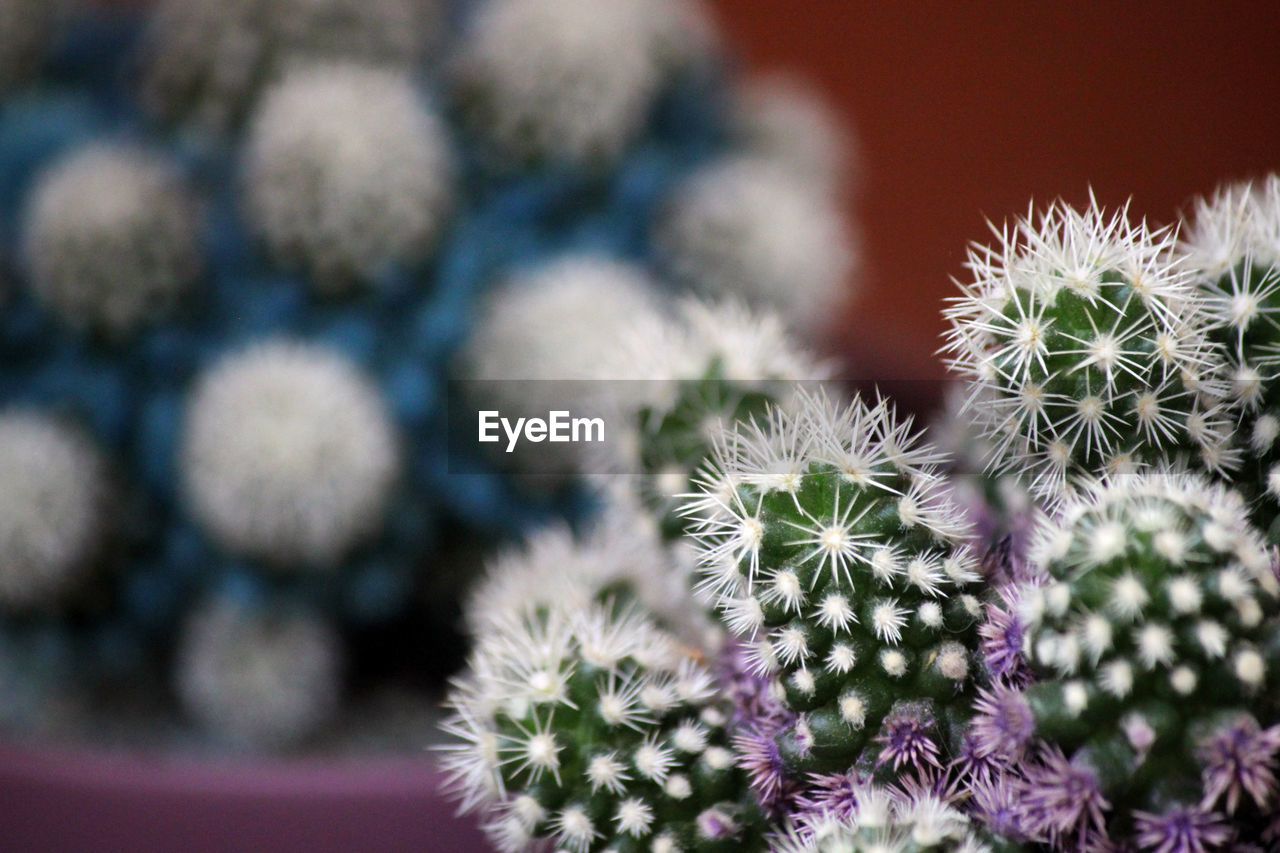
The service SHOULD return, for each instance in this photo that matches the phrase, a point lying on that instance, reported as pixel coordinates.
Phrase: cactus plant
(1153, 636)
(675, 382)
(745, 226)
(828, 542)
(1233, 247)
(1085, 348)
(595, 730)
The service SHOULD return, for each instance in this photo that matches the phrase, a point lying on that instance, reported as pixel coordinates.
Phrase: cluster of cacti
(1073, 651)
(245, 247)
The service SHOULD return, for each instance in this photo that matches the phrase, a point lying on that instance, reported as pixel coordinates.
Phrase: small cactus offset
(1233, 249)
(1154, 638)
(828, 542)
(1085, 347)
(595, 730)
(679, 382)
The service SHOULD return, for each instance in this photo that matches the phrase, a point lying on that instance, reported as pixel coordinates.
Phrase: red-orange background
(968, 110)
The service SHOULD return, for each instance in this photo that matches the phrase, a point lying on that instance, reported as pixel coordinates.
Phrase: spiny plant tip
(1086, 352)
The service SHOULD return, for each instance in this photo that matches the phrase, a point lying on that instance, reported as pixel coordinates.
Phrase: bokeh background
(968, 111)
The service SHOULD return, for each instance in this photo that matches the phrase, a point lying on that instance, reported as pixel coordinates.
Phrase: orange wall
(968, 110)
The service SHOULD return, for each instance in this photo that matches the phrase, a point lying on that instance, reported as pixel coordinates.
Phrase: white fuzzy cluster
(1233, 246)
(258, 678)
(1238, 221)
(52, 507)
(557, 321)
(572, 80)
(1188, 581)
(207, 60)
(744, 227)
(347, 170)
(505, 711)
(288, 454)
(659, 355)
(780, 118)
(886, 821)
(620, 558)
(111, 238)
(26, 27)
(1150, 381)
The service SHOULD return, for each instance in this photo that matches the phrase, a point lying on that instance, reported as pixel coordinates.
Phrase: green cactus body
(1085, 349)
(598, 731)
(1156, 626)
(828, 543)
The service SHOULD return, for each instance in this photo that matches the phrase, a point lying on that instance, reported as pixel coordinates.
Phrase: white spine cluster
(1085, 348)
(557, 321)
(111, 238)
(780, 118)
(753, 351)
(208, 59)
(571, 80)
(288, 454)
(1237, 221)
(886, 820)
(258, 679)
(347, 170)
(51, 508)
(745, 227)
(621, 558)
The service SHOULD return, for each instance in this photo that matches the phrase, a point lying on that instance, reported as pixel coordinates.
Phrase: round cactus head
(52, 508)
(828, 539)
(111, 238)
(596, 731)
(570, 81)
(1233, 248)
(1084, 346)
(744, 227)
(258, 676)
(288, 455)
(1155, 638)
(347, 171)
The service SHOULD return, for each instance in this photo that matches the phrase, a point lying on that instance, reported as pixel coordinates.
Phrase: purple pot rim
(143, 772)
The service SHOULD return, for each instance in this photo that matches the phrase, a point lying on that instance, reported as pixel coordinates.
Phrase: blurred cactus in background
(243, 249)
